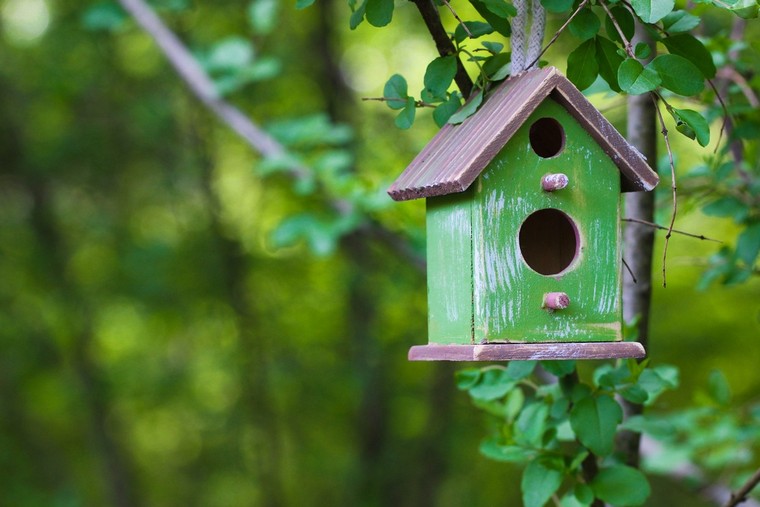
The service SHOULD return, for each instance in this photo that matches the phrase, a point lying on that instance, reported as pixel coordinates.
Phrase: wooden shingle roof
(459, 153)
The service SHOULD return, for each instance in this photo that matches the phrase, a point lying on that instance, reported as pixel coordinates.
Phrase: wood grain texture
(458, 154)
(527, 351)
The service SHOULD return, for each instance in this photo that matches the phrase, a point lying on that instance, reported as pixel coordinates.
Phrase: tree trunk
(638, 243)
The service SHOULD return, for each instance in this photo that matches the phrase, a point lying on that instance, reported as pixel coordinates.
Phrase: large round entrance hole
(548, 241)
(547, 137)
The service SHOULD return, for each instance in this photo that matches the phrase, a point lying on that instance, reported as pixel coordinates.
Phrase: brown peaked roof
(458, 153)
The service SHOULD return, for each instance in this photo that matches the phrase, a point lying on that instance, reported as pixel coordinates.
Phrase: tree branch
(443, 43)
(741, 495)
(203, 87)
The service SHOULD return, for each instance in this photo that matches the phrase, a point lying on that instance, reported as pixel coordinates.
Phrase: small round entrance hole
(548, 241)
(547, 137)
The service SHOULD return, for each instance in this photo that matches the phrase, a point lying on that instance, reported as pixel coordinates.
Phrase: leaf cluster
(562, 427)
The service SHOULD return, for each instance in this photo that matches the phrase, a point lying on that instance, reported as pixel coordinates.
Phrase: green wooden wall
(479, 286)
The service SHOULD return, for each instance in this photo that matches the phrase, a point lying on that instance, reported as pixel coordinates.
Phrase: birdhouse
(523, 227)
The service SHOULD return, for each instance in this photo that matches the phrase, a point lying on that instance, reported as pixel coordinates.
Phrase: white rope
(519, 32)
(536, 32)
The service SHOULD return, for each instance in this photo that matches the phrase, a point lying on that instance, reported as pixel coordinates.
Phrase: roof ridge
(457, 154)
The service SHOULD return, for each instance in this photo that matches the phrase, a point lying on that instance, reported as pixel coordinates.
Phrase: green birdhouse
(523, 227)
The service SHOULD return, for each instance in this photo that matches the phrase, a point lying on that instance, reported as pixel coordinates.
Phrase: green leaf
(493, 47)
(302, 4)
(557, 5)
(513, 404)
(585, 24)
(444, 111)
(621, 485)
(624, 20)
(651, 11)
(498, 66)
(518, 370)
(726, 207)
(498, 23)
(658, 428)
(439, 75)
(642, 50)
(678, 74)
(582, 65)
(104, 16)
(696, 125)
(746, 9)
(357, 16)
(493, 384)
(310, 131)
(500, 8)
(531, 423)
(318, 234)
(577, 461)
(476, 28)
(657, 380)
(468, 378)
(405, 118)
(570, 500)
(396, 92)
(506, 453)
(679, 22)
(379, 12)
(634, 393)
(609, 61)
(610, 376)
(748, 244)
(584, 494)
(594, 420)
(559, 368)
(718, 388)
(262, 16)
(692, 49)
(539, 483)
(231, 53)
(468, 109)
(635, 79)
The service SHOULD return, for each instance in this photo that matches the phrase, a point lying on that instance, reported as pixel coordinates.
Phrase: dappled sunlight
(24, 22)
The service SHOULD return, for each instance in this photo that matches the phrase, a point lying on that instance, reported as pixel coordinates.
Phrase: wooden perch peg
(553, 182)
(556, 301)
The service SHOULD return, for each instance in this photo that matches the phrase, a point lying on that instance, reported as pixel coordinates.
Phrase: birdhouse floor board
(527, 351)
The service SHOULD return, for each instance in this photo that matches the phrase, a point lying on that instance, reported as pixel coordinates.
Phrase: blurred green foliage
(168, 335)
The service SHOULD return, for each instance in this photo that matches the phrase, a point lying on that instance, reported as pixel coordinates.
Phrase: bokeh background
(182, 323)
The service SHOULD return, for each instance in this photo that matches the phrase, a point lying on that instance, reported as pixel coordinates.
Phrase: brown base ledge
(527, 351)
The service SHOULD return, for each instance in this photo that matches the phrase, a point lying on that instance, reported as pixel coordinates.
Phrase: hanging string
(536, 32)
(519, 33)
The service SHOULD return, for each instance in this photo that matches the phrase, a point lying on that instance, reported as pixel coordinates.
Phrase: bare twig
(630, 271)
(557, 34)
(673, 190)
(725, 114)
(741, 495)
(456, 16)
(740, 81)
(662, 228)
